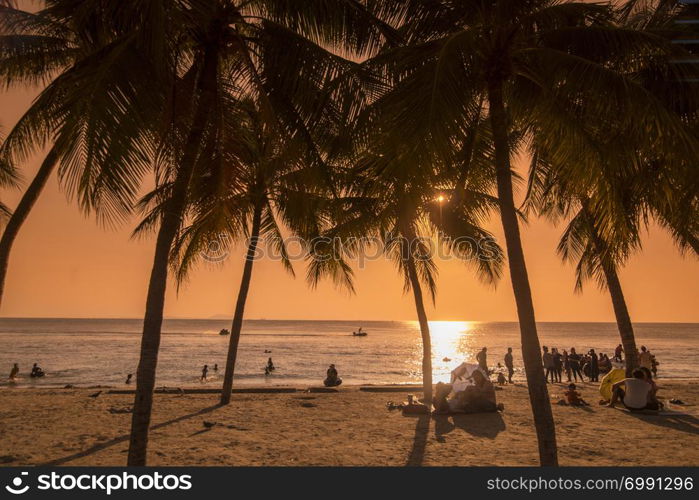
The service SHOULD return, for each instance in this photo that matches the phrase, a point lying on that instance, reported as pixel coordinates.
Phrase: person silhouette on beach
(14, 372)
(270, 365)
(574, 359)
(618, 353)
(36, 372)
(332, 379)
(204, 372)
(594, 366)
(128, 378)
(547, 359)
(482, 358)
(509, 363)
(215, 367)
(645, 358)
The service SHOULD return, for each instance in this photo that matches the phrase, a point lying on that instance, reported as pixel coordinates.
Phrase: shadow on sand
(422, 430)
(679, 422)
(125, 437)
(484, 425)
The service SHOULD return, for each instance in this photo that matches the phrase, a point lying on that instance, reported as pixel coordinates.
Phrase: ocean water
(103, 351)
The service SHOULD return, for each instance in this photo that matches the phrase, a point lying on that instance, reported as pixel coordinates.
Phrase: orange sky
(64, 265)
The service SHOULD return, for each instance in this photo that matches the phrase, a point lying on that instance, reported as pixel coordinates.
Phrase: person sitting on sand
(36, 372)
(572, 397)
(270, 365)
(128, 378)
(476, 398)
(636, 392)
(204, 372)
(332, 379)
(653, 395)
(14, 372)
(501, 379)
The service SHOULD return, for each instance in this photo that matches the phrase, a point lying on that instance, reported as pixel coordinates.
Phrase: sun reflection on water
(452, 343)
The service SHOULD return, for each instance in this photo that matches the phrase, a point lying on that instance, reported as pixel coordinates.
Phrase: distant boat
(360, 333)
(224, 331)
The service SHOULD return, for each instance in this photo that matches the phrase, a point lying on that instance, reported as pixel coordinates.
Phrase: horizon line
(210, 318)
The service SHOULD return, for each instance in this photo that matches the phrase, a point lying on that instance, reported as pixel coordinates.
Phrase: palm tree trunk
(621, 312)
(531, 349)
(240, 306)
(14, 224)
(623, 319)
(155, 301)
(422, 319)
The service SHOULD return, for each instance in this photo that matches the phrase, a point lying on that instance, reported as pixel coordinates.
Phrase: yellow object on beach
(611, 378)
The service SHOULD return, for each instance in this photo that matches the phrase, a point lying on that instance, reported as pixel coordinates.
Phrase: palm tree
(532, 62)
(8, 179)
(279, 55)
(628, 180)
(85, 112)
(399, 197)
(265, 180)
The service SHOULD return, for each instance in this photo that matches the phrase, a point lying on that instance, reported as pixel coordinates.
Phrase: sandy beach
(346, 428)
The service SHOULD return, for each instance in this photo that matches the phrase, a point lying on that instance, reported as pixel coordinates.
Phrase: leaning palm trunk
(621, 312)
(155, 301)
(237, 325)
(538, 393)
(422, 319)
(623, 319)
(14, 224)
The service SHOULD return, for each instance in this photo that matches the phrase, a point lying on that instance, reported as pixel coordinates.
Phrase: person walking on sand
(204, 372)
(509, 363)
(594, 366)
(270, 365)
(547, 359)
(482, 358)
(14, 372)
(618, 353)
(128, 378)
(215, 367)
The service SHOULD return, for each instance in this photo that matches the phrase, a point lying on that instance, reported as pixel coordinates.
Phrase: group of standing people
(576, 366)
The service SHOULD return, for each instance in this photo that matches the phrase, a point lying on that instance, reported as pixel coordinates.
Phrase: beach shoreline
(350, 427)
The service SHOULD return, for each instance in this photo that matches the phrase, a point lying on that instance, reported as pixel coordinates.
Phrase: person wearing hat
(332, 380)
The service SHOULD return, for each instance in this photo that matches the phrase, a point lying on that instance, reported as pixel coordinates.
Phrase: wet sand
(350, 428)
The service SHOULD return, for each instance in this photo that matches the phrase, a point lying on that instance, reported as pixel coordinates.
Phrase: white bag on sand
(460, 376)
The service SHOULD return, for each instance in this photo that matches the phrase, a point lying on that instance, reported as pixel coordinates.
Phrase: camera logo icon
(16, 487)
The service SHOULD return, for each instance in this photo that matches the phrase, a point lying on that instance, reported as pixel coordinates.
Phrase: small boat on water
(224, 331)
(360, 333)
